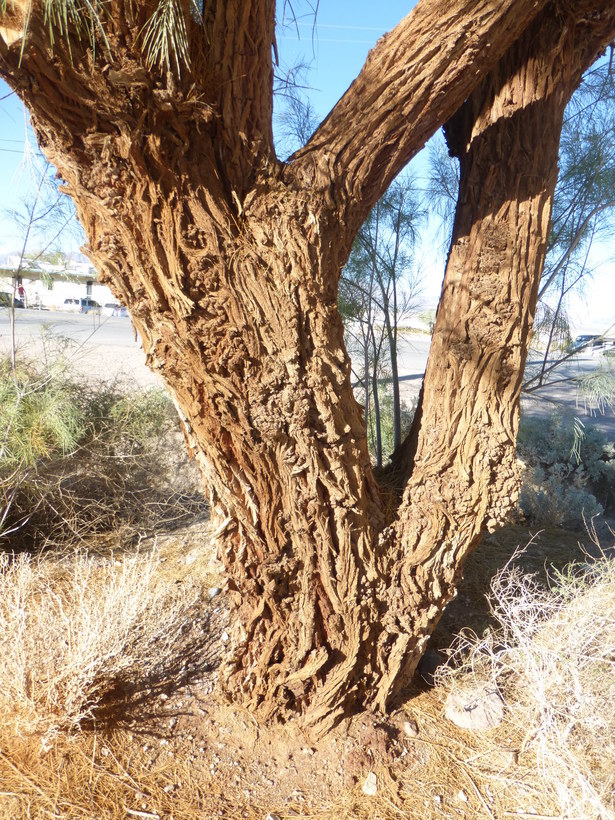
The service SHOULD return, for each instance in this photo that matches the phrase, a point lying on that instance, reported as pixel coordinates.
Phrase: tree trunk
(229, 262)
(459, 461)
(376, 394)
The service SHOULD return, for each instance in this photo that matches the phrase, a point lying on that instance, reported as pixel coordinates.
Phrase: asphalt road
(96, 347)
(105, 347)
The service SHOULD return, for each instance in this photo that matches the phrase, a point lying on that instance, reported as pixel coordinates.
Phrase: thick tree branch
(465, 476)
(412, 82)
(240, 70)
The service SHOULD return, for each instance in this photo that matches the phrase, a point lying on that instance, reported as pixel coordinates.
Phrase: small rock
(213, 591)
(461, 795)
(272, 817)
(172, 722)
(169, 788)
(410, 728)
(224, 637)
(370, 787)
(438, 799)
(478, 707)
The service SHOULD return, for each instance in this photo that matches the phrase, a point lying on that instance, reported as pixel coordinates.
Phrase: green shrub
(80, 459)
(570, 470)
(39, 416)
(44, 414)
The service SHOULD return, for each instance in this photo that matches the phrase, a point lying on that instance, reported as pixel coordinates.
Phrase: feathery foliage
(165, 38)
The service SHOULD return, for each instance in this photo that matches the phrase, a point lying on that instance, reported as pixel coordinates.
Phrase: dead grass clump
(80, 633)
(552, 657)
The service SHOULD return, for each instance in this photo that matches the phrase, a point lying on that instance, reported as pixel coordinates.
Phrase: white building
(47, 285)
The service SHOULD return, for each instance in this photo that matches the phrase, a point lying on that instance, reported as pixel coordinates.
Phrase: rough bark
(459, 461)
(229, 263)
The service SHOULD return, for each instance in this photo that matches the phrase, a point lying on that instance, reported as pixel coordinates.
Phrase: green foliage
(570, 473)
(385, 396)
(165, 38)
(44, 414)
(84, 17)
(598, 387)
(141, 416)
(39, 417)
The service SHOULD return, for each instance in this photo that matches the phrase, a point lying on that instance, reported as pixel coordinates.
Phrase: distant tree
(379, 290)
(43, 223)
(583, 210)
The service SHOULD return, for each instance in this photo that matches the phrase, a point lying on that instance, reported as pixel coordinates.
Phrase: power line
(338, 25)
(331, 40)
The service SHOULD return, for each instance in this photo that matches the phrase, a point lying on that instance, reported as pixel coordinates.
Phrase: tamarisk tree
(158, 117)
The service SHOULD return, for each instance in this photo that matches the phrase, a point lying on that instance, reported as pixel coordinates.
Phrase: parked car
(7, 299)
(110, 309)
(85, 305)
(73, 305)
(89, 306)
(588, 341)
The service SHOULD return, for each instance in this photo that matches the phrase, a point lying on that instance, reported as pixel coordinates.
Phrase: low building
(48, 285)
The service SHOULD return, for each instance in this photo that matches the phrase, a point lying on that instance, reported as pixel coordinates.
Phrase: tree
(229, 261)
(378, 289)
(44, 219)
(583, 211)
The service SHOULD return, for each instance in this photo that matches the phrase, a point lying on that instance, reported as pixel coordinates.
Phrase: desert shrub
(552, 658)
(44, 413)
(570, 471)
(40, 415)
(77, 632)
(80, 459)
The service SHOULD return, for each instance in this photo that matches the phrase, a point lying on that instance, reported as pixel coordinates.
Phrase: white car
(73, 305)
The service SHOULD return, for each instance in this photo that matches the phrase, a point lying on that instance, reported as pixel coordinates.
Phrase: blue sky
(335, 52)
(346, 30)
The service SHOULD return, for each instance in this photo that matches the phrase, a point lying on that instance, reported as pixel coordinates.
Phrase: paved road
(97, 347)
(105, 346)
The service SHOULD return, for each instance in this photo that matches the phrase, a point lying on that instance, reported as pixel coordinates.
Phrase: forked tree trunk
(229, 262)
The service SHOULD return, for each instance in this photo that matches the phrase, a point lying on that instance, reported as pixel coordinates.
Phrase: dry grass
(79, 634)
(90, 644)
(552, 657)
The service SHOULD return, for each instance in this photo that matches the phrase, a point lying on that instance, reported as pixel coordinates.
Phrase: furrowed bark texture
(460, 458)
(229, 262)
